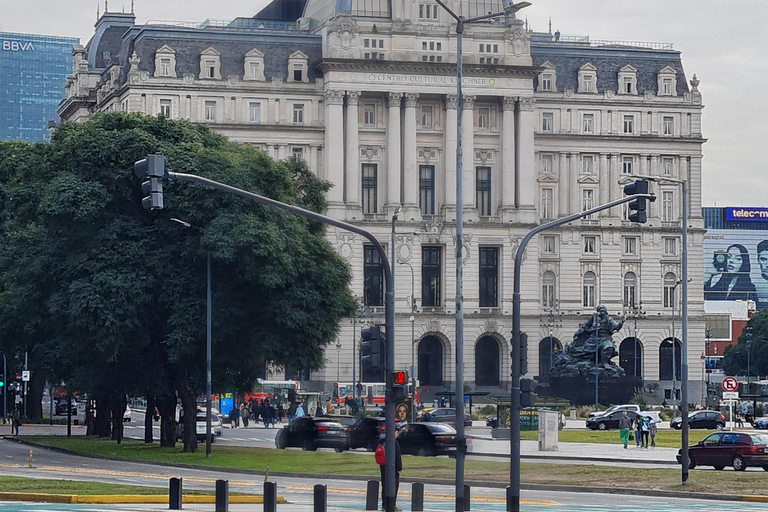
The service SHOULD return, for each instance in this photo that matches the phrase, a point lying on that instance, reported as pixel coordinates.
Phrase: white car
(127, 414)
(200, 426)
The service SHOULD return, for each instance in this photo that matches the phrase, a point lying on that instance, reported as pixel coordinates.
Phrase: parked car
(312, 433)
(610, 420)
(701, 419)
(761, 423)
(61, 406)
(654, 415)
(736, 449)
(127, 414)
(201, 426)
(427, 439)
(443, 415)
(622, 407)
(366, 432)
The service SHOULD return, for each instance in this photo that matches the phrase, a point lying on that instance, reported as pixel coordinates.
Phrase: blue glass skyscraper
(33, 72)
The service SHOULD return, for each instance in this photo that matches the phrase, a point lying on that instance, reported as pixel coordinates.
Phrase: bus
(371, 392)
(275, 390)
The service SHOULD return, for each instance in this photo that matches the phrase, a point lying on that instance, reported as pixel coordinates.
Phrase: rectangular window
(373, 277)
(668, 125)
(426, 117)
(587, 201)
(629, 124)
(369, 188)
(210, 111)
(548, 290)
(253, 70)
(489, 277)
(587, 164)
(210, 69)
(630, 289)
(667, 166)
(484, 117)
(165, 67)
(546, 164)
(483, 185)
(589, 290)
(548, 244)
(298, 72)
(431, 276)
(667, 213)
(298, 113)
(627, 164)
(670, 246)
(588, 123)
(298, 153)
(427, 189)
(669, 294)
(666, 87)
(546, 82)
(547, 203)
(627, 85)
(589, 83)
(165, 108)
(547, 122)
(369, 114)
(590, 245)
(254, 112)
(630, 245)
(428, 11)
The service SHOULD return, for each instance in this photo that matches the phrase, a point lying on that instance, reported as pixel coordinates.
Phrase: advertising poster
(736, 265)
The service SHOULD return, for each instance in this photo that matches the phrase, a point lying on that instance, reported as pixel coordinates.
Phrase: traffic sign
(25, 376)
(730, 384)
(730, 395)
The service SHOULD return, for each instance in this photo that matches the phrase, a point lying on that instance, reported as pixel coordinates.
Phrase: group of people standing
(255, 410)
(643, 428)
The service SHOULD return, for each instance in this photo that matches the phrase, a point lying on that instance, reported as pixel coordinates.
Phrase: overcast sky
(721, 41)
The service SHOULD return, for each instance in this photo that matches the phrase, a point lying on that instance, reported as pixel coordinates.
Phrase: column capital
(410, 99)
(353, 97)
(527, 103)
(333, 97)
(509, 103)
(469, 101)
(450, 101)
(393, 98)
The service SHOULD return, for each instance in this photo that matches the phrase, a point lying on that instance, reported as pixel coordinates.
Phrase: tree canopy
(110, 298)
(750, 354)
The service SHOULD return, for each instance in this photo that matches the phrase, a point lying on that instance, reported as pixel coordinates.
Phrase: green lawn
(664, 439)
(37, 485)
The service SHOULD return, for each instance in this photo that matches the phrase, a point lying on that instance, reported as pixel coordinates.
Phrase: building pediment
(589, 179)
(210, 51)
(166, 49)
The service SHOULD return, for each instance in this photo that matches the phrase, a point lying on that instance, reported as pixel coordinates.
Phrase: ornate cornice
(427, 68)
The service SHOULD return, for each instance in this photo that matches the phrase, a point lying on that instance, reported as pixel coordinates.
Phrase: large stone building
(365, 92)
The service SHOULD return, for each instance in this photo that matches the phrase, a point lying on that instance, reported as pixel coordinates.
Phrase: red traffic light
(400, 378)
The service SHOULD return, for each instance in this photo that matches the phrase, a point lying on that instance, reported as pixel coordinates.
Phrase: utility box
(548, 430)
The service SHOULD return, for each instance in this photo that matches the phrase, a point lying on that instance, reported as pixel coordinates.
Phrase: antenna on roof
(106, 6)
(97, 12)
(131, 6)
(550, 24)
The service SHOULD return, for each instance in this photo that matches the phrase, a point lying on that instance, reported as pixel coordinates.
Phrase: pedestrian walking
(624, 425)
(258, 411)
(381, 461)
(16, 420)
(653, 429)
(266, 413)
(244, 414)
(299, 411)
(291, 412)
(280, 412)
(234, 416)
(638, 433)
(645, 429)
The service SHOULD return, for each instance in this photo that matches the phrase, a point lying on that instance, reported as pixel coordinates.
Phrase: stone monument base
(611, 390)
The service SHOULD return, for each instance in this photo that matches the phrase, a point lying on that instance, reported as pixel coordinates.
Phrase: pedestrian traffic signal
(527, 395)
(638, 207)
(400, 378)
(153, 168)
(372, 353)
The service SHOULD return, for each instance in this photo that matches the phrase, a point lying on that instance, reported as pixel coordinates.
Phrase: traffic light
(637, 208)
(372, 353)
(153, 168)
(400, 385)
(523, 353)
(527, 395)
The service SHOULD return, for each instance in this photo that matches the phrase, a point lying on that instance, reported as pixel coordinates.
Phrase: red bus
(371, 392)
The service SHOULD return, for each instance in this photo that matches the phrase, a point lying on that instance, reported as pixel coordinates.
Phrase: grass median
(44, 486)
(298, 462)
(664, 438)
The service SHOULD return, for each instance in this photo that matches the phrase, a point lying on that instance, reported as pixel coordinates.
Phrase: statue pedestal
(581, 391)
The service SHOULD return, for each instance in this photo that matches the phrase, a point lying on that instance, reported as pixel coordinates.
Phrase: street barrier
(174, 494)
(417, 497)
(270, 497)
(222, 495)
(321, 498)
(372, 495)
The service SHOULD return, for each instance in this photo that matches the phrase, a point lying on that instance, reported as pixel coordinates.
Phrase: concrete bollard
(417, 496)
(174, 494)
(222, 495)
(30, 457)
(372, 495)
(467, 497)
(321, 498)
(270, 497)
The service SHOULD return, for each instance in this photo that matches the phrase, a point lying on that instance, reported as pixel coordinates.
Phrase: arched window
(487, 362)
(548, 347)
(589, 290)
(631, 357)
(669, 289)
(668, 353)
(430, 361)
(548, 289)
(630, 289)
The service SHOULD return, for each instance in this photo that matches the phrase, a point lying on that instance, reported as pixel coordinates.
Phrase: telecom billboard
(736, 265)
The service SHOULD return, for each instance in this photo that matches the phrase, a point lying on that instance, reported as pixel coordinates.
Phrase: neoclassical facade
(365, 92)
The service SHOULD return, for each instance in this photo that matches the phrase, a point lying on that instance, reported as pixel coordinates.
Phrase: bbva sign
(18, 46)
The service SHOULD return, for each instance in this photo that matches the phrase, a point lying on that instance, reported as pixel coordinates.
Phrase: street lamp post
(207, 340)
(674, 340)
(509, 9)
(707, 342)
(412, 319)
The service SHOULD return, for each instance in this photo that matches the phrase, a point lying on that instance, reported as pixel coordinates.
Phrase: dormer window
(547, 78)
(627, 80)
(253, 67)
(298, 67)
(210, 64)
(588, 78)
(165, 62)
(667, 82)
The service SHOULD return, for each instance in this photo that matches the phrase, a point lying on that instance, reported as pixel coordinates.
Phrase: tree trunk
(117, 410)
(166, 404)
(102, 427)
(189, 403)
(148, 419)
(35, 388)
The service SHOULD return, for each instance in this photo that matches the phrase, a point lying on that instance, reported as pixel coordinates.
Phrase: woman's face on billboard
(735, 259)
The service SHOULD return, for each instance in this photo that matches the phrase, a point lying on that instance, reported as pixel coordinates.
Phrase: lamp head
(513, 8)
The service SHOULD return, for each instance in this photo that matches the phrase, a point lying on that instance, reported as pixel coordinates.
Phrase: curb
(124, 498)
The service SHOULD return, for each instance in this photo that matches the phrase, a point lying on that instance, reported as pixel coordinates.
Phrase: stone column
(281, 149)
(654, 165)
(562, 184)
(468, 151)
(450, 152)
(615, 171)
(573, 183)
(334, 147)
(352, 165)
(605, 182)
(508, 153)
(313, 159)
(526, 172)
(644, 164)
(410, 169)
(393, 152)
(692, 173)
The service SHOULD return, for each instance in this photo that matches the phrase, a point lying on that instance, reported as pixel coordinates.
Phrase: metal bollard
(270, 497)
(417, 496)
(222, 495)
(321, 498)
(174, 494)
(467, 496)
(372, 495)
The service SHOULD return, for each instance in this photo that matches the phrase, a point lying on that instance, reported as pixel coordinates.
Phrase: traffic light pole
(5, 390)
(513, 491)
(389, 309)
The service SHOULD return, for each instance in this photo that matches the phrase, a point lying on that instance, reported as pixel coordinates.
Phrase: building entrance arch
(631, 357)
(487, 360)
(431, 361)
(548, 348)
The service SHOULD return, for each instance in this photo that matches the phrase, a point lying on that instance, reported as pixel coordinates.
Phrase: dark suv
(701, 419)
(737, 449)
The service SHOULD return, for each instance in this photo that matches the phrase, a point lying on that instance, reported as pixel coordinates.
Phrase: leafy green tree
(750, 354)
(120, 292)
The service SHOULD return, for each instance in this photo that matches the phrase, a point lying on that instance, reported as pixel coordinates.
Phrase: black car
(701, 419)
(366, 432)
(61, 406)
(427, 439)
(313, 433)
(444, 415)
(610, 420)
(736, 449)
